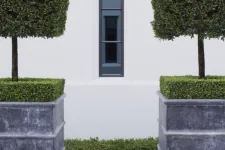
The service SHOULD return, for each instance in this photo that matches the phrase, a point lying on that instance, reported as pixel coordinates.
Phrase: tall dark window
(111, 59)
(111, 35)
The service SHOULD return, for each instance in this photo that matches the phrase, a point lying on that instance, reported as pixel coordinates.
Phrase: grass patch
(31, 89)
(191, 87)
(117, 144)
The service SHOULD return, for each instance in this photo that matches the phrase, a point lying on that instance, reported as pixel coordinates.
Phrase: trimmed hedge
(191, 87)
(174, 18)
(31, 89)
(117, 144)
(33, 18)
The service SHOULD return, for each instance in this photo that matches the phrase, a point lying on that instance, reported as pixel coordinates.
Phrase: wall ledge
(112, 81)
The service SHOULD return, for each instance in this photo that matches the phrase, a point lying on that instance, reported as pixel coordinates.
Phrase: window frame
(122, 40)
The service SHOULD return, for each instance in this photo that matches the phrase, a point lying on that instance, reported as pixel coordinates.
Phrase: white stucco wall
(110, 107)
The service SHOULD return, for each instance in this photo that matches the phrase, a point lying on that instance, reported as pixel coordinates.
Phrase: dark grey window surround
(116, 69)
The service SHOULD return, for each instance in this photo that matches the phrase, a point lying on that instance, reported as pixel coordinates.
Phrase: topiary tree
(204, 18)
(31, 18)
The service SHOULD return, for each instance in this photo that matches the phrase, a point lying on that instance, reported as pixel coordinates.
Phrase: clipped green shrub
(117, 144)
(31, 89)
(191, 87)
(34, 18)
(174, 18)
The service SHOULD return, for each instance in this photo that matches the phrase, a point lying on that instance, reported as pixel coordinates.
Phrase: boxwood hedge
(33, 18)
(117, 144)
(31, 89)
(191, 87)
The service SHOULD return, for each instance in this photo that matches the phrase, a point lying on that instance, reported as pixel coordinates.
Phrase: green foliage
(174, 18)
(118, 144)
(191, 87)
(33, 18)
(31, 89)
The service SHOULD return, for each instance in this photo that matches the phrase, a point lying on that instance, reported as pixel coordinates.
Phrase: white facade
(124, 107)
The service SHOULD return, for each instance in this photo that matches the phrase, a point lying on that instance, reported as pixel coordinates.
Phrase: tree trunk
(201, 57)
(14, 59)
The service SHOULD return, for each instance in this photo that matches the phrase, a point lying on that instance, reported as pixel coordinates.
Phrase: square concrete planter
(191, 124)
(32, 125)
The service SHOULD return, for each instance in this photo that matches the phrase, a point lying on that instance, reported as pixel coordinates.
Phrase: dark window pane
(111, 28)
(111, 52)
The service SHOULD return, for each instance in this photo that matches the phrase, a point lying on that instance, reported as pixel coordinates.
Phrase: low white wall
(108, 111)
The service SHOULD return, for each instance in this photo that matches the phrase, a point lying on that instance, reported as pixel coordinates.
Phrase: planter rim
(194, 132)
(196, 102)
(44, 104)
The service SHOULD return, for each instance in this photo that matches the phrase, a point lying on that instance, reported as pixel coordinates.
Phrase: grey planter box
(32, 125)
(191, 124)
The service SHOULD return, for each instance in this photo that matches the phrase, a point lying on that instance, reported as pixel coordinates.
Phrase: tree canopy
(174, 18)
(33, 18)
